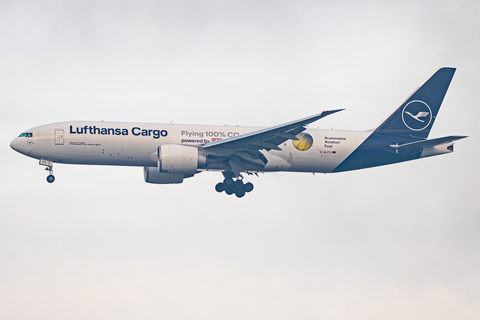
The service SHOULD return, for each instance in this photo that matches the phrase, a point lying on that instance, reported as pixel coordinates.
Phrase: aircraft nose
(14, 144)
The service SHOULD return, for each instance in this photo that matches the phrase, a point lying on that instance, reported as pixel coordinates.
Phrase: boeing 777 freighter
(170, 153)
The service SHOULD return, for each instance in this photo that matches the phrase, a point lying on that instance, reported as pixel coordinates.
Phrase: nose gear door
(59, 137)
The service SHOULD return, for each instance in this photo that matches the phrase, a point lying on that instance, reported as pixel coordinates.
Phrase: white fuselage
(170, 153)
(136, 144)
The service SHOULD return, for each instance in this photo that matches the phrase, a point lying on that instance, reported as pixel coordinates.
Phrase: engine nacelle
(178, 159)
(152, 175)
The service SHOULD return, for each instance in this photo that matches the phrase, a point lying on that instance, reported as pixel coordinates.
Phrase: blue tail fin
(415, 117)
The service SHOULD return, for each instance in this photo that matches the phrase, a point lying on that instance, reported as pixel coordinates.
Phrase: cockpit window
(26, 134)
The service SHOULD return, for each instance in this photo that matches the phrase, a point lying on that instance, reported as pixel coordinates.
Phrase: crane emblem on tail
(421, 114)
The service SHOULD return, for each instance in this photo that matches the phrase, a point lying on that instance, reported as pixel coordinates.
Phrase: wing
(242, 153)
(267, 139)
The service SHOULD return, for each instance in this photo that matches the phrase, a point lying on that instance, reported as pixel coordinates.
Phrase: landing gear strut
(50, 177)
(231, 186)
(49, 168)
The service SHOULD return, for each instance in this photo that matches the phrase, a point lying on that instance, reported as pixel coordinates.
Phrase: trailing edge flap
(268, 138)
(419, 145)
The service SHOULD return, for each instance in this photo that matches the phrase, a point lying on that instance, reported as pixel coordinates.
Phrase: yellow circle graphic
(304, 142)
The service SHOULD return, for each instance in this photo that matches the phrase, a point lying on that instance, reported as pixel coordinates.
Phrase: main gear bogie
(231, 186)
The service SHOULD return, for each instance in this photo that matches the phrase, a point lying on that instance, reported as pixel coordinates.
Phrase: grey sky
(392, 242)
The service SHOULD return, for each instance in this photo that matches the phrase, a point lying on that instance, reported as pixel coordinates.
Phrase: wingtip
(333, 111)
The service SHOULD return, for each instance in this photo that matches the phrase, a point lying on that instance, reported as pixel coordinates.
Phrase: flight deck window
(26, 134)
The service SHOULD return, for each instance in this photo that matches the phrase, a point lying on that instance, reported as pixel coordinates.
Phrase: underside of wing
(243, 152)
(268, 139)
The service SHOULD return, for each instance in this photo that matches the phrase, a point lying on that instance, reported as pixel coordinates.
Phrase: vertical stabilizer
(415, 116)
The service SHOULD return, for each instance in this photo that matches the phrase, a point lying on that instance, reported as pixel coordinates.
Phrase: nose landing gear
(50, 178)
(49, 168)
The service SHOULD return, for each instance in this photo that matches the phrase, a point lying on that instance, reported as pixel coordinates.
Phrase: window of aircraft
(26, 134)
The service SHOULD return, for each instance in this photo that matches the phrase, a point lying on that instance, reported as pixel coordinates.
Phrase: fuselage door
(59, 137)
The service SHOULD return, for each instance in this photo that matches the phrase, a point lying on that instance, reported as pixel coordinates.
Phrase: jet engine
(175, 163)
(178, 159)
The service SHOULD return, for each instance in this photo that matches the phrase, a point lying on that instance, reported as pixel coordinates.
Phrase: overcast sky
(394, 242)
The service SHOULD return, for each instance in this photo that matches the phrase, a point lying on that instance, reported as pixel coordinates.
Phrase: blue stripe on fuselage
(376, 151)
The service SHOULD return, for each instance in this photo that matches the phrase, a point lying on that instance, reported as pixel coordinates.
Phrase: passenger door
(59, 137)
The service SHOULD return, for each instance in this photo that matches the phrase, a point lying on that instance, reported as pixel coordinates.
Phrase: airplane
(170, 153)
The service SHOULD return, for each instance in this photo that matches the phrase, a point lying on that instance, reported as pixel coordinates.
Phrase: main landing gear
(236, 187)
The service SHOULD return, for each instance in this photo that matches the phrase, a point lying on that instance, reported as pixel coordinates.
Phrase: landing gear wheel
(50, 178)
(220, 187)
(239, 193)
(233, 184)
(230, 190)
(238, 184)
(228, 181)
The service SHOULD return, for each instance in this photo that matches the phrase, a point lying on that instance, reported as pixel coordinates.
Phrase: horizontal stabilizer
(419, 145)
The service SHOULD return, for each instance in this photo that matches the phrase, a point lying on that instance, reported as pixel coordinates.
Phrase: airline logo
(304, 142)
(417, 115)
(136, 131)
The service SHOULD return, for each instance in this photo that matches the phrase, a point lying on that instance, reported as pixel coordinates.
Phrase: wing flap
(266, 145)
